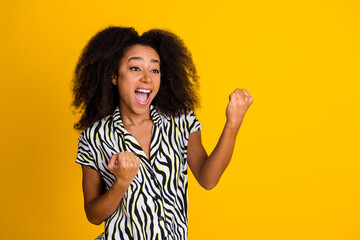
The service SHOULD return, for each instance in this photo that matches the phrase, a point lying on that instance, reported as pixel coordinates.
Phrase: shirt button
(164, 238)
(157, 197)
(161, 218)
(152, 176)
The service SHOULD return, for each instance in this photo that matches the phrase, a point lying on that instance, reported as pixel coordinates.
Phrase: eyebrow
(141, 59)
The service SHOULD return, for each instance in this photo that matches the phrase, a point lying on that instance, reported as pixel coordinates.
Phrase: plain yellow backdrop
(295, 169)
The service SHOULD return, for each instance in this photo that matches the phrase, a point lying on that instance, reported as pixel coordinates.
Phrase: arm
(208, 169)
(99, 205)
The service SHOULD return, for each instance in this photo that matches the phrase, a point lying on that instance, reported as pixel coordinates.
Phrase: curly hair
(95, 97)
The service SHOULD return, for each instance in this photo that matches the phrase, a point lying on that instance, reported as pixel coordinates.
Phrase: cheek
(123, 87)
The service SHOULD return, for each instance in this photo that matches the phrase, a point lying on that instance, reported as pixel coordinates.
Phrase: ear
(114, 80)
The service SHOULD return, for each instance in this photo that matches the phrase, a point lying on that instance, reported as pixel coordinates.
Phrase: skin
(140, 68)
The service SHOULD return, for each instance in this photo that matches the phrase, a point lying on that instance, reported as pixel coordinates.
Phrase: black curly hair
(95, 97)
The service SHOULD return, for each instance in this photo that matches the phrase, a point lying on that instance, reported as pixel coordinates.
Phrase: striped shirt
(155, 206)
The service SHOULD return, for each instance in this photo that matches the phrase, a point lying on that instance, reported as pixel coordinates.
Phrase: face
(138, 79)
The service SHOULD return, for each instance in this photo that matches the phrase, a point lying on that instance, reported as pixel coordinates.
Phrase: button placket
(157, 130)
(161, 218)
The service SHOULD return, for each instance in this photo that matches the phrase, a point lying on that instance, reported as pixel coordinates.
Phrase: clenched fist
(239, 102)
(125, 166)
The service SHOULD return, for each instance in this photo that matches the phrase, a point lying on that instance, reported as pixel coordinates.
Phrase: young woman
(137, 95)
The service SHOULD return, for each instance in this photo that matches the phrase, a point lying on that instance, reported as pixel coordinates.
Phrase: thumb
(112, 162)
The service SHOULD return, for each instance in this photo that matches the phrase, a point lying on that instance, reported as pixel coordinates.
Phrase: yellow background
(295, 170)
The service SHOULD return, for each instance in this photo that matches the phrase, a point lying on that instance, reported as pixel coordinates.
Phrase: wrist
(120, 185)
(233, 125)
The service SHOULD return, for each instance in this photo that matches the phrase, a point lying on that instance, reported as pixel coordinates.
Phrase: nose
(146, 78)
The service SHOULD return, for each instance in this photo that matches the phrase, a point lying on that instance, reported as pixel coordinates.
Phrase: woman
(137, 95)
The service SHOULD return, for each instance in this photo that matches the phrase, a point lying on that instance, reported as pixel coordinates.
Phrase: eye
(155, 71)
(134, 69)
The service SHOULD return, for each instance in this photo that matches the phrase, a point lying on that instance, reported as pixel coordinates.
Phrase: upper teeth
(143, 90)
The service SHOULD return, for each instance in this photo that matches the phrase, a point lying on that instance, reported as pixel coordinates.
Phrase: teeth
(143, 90)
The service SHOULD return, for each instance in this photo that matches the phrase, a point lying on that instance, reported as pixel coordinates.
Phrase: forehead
(140, 51)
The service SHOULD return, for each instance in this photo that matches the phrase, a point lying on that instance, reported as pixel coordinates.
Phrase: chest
(142, 135)
(166, 144)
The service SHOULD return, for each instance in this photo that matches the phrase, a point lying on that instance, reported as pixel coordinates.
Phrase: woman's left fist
(239, 102)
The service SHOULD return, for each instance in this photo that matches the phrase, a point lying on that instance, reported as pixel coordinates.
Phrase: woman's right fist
(125, 166)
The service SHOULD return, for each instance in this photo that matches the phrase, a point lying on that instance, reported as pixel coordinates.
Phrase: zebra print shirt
(155, 205)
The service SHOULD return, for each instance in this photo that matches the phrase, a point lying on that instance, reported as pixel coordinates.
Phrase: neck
(130, 118)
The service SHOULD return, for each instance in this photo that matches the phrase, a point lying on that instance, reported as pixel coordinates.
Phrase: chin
(141, 109)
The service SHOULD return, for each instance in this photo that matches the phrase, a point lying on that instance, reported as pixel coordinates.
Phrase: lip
(143, 88)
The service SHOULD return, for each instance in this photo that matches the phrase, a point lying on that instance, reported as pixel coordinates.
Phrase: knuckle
(111, 168)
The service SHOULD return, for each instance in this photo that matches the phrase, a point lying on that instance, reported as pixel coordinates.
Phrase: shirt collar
(155, 117)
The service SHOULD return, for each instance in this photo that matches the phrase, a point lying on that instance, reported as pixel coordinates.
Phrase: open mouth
(142, 95)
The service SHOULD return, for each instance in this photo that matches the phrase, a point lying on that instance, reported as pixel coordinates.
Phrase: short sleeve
(85, 156)
(192, 122)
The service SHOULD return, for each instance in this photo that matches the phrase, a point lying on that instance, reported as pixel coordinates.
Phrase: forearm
(214, 166)
(208, 169)
(99, 209)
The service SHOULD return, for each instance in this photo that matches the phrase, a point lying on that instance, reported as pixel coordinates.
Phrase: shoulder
(186, 113)
(186, 122)
(100, 127)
